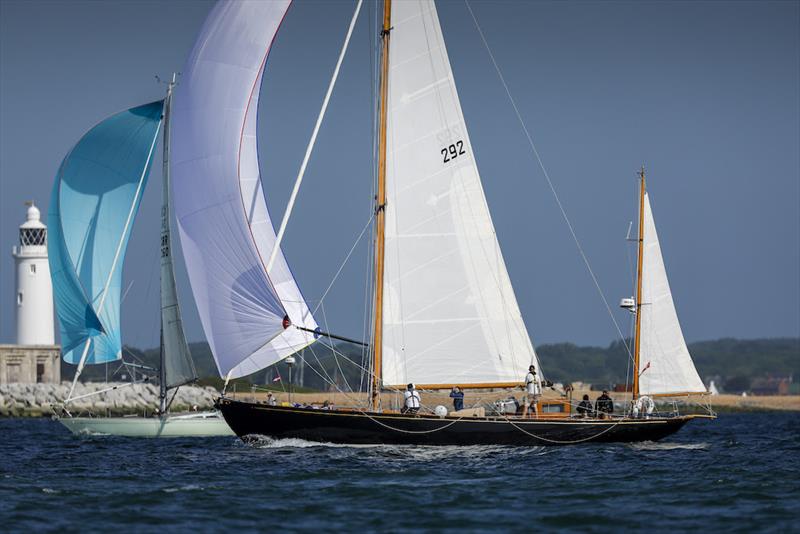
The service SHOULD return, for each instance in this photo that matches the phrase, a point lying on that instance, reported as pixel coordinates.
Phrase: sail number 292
(453, 151)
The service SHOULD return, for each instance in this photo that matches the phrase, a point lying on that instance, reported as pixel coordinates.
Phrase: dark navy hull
(341, 426)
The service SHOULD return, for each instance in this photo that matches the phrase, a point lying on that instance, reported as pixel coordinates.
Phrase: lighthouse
(34, 289)
(35, 357)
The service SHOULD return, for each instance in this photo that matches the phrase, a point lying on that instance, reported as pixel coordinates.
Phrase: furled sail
(225, 229)
(176, 360)
(450, 313)
(94, 202)
(665, 365)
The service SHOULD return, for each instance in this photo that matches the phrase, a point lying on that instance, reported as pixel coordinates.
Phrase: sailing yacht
(94, 203)
(444, 309)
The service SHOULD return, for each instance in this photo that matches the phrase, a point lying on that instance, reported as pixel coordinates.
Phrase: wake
(660, 446)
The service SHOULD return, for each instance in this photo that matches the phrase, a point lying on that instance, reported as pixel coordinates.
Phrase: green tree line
(733, 363)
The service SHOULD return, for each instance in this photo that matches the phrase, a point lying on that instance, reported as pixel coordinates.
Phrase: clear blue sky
(705, 94)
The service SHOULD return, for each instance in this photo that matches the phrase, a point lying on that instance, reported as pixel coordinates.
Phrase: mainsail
(225, 229)
(450, 313)
(177, 366)
(94, 202)
(665, 365)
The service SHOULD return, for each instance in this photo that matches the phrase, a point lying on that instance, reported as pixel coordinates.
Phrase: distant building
(35, 357)
(772, 385)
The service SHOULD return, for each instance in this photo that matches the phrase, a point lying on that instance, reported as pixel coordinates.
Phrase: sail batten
(665, 365)
(224, 225)
(450, 313)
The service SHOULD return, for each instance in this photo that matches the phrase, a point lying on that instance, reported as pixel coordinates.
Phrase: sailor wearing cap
(412, 400)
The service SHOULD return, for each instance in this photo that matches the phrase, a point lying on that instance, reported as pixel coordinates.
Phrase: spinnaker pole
(380, 209)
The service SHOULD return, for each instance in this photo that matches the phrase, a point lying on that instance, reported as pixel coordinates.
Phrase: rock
(34, 400)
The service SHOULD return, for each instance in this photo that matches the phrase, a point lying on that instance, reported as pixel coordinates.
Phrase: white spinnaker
(292, 339)
(664, 362)
(450, 313)
(216, 192)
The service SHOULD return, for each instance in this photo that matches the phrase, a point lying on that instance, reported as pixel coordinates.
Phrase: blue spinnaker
(94, 203)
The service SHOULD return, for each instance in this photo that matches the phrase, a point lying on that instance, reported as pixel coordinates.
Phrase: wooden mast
(638, 333)
(380, 211)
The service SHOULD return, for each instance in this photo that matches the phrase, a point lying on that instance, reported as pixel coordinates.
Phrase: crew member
(533, 388)
(585, 407)
(458, 398)
(271, 400)
(604, 406)
(412, 400)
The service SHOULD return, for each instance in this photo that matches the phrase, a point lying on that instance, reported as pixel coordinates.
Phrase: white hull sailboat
(201, 424)
(444, 312)
(96, 196)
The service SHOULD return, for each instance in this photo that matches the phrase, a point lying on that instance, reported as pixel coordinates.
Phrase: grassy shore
(734, 403)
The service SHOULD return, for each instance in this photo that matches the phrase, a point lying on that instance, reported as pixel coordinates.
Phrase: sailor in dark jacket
(604, 405)
(458, 398)
(585, 408)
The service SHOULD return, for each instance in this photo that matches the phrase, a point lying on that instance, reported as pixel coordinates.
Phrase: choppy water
(739, 473)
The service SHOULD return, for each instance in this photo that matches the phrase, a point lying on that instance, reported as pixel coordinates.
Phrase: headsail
(226, 233)
(176, 360)
(95, 199)
(450, 313)
(665, 365)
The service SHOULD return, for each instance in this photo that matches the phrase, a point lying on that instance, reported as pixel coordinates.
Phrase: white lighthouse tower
(35, 357)
(34, 296)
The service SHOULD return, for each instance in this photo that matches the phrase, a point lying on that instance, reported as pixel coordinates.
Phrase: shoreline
(35, 400)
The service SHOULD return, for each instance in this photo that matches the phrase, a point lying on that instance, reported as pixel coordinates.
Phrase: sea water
(739, 473)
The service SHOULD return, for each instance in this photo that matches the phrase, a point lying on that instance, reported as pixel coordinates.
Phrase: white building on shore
(35, 357)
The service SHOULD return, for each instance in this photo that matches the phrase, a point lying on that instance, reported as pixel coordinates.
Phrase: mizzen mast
(380, 212)
(637, 344)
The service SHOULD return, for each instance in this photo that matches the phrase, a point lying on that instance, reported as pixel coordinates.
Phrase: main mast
(380, 211)
(638, 332)
(165, 238)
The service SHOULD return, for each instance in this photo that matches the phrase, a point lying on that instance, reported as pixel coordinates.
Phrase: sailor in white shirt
(412, 400)
(533, 387)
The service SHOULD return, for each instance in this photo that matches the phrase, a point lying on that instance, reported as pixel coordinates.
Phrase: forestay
(94, 202)
(450, 313)
(665, 364)
(225, 229)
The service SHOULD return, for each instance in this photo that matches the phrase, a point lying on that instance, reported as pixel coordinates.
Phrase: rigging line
(546, 175)
(155, 317)
(277, 246)
(341, 267)
(347, 395)
(335, 357)
(365, 307)
(328, 378)
(342, 355)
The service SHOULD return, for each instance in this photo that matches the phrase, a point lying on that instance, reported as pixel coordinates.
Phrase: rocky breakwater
(35, 400)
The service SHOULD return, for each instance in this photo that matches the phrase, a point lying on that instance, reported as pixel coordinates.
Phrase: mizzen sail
(224, 225)
(665, 365)
(450, 313)
(93, 205)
